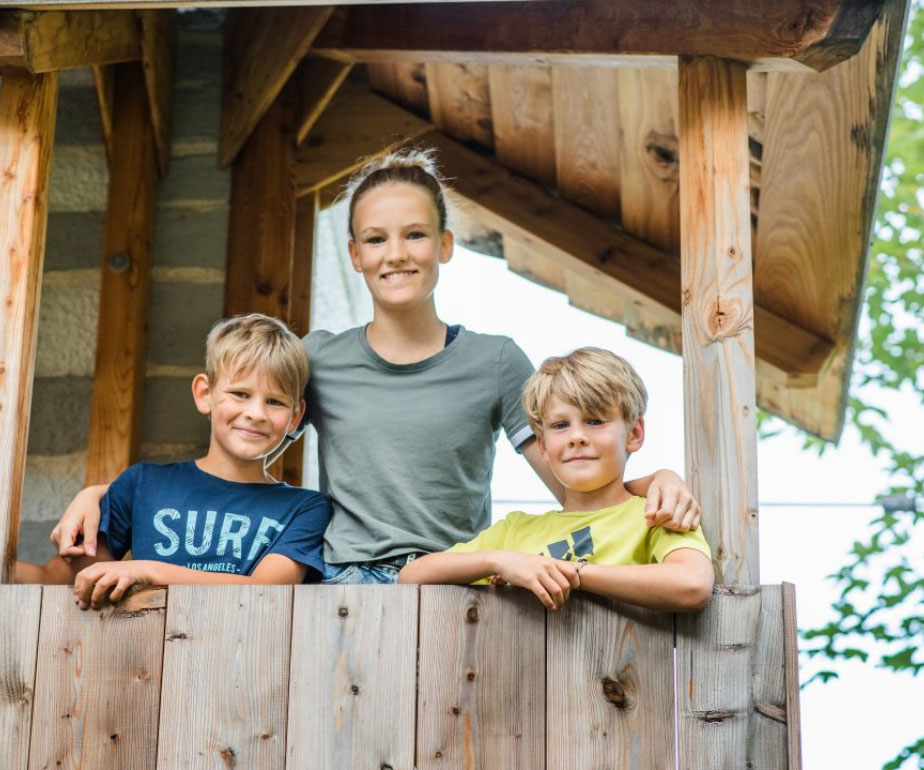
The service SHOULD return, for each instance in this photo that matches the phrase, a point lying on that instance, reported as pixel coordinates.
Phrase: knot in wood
(663, 152)
(456, 711)
(354, 689)
(471, 614)
(343, 612)
(470, 675)
(724, 318)
(615, 692)
(228, 757)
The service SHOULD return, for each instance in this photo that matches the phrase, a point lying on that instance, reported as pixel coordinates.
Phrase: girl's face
(399, 245)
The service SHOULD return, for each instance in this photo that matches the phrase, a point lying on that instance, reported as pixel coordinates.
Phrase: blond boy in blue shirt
(587, 410)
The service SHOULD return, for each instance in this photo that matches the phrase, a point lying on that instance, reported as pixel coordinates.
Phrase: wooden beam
(103, 82)
(158, 41)
(636, 274)
(57, 40)
(319, 81)
(27, 129)
(344, 136)
(816, 34)
(118, 385)
(718, 312)
(262, 48)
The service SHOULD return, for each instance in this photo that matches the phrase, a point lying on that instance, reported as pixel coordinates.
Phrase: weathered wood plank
(98, 686)
(730, 683)
(57, 40)
(344, 137)
(27, 129)
(262, 48)
(354, 649)
(587, 137)
(158, 41)
(233, 642)
(822, 153)
(482, 679)
(405, 82)
(637, 274)
(460, 101)
(718, 312)
(320, 79)
(521, 115)
(819, 35)
(791, 668)
(610, 686)
(18, 652)
(118, 385)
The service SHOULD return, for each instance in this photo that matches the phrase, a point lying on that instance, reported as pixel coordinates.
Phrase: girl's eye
(373, 239)
(416, 235)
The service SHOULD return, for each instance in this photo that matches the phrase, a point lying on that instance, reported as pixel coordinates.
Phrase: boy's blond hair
(592, 379)
(257, 341)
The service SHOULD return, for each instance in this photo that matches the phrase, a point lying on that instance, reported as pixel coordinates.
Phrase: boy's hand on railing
(670, 504)
(80, 519)
(551, 580)
(108, 581)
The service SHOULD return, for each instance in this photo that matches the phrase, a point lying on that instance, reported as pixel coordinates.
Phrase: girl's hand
(81, 518)
(109, 580)
(670, 504)
(551, 580)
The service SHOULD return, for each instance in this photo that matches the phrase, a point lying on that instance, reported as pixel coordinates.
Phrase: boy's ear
(354, 256)
(636, 436)
(297, 417)
(447, 243)
(540, 442)
(202, 392)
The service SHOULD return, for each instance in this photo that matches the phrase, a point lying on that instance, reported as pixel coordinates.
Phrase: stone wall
(186, 291)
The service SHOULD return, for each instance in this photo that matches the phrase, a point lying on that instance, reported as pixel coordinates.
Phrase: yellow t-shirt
(615, 535)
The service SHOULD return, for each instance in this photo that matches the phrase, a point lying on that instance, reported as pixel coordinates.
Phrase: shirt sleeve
(514, 370)
(303, 538)
(311, 342)
(661, 542)
(116, 511)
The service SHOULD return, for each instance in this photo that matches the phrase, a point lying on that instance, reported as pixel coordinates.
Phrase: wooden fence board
(610, 687)
(27, 130)
(228, 648)
(97, 684)
(352, 687)
(791, 664)
(481, 701)
(18, 648)
(730, 682)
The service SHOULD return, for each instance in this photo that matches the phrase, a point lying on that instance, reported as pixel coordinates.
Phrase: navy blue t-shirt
(181, 515)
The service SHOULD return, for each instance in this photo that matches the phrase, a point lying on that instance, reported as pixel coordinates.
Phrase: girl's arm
(681, 583)
(58, 570)
(81, 517)
(112, 579)
(551, 580)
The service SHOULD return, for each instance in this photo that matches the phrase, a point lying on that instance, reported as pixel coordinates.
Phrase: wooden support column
(718, 312)
(269, 253)
(27, 128)
(118, 386)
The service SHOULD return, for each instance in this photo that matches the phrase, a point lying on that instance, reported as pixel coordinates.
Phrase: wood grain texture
(104, 85)
(319, 81)
(18, 652)
(822, 154)
(405, 82)
(648, 156)
(262, 48)
(97, 685)
(610, 686)
(118, 384)
(460, 101)
(27, 129)
(818, 33)
(521, 115)
(482, 679)
(791, 668)
(344, 137)
(586, 104)
(354, 650)
(720, 410)
(730, 683)
(158, 43)
(233, 643)
(57, 40)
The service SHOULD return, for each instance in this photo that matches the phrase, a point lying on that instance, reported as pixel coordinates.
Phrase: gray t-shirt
(406, 450)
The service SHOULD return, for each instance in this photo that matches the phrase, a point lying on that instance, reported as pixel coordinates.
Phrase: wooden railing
(379, 678)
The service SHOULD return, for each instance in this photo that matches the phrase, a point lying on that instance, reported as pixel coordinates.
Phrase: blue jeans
(359, 574)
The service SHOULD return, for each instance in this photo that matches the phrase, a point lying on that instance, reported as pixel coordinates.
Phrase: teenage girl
(408, 408)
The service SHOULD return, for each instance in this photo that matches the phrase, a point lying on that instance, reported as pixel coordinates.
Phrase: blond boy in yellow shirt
(587, 411)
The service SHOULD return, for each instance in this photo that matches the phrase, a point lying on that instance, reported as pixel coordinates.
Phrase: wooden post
(718, 312)
(27, 128)
(118, 386)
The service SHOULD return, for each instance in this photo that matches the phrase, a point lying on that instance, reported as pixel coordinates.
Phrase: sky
(811, 508)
